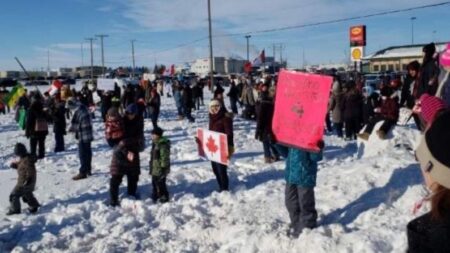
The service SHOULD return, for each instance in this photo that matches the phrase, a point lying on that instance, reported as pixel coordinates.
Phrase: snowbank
(364, 203)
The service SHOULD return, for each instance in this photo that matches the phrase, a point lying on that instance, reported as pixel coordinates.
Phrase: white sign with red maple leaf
(213, 146)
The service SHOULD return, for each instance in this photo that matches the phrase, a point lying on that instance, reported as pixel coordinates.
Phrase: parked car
(373, 80)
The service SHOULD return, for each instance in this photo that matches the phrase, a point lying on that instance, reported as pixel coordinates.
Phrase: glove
(13, 165)
(230, 151)
(320, 144)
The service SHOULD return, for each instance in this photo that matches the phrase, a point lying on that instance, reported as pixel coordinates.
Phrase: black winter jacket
(426, 235)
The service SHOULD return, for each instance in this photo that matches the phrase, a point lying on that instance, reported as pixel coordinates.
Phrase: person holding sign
(300, 175)
(222, 122)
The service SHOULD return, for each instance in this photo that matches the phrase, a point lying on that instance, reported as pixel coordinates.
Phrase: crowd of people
(353, 112)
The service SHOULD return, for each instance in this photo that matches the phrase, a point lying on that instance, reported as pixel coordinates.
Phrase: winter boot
(33, 209)
(268, 160)
(79, 177)
(381, 134)
(12, 212)
(365, 136)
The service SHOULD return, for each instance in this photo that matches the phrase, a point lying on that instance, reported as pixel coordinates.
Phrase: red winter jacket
(390, 109)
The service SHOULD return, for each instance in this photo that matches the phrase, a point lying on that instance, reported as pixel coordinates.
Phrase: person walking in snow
(222, 122)
(37, 127)
(81, 125)
(153, 106)
(233, 94)
(125, 162)
(114, 127)
(133, 122)
(188, 102)
(264, 133)
(408, 98)
(352, 105)
(26, 181)
(431, 231)
(58, 114)
(159, 165)
(429, 72)
(335, 107)
(300, 175)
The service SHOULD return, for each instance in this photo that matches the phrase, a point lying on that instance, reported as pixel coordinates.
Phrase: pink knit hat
(430, 106)
(445, 57)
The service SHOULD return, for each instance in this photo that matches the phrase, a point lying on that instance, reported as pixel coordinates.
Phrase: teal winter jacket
(301, 166)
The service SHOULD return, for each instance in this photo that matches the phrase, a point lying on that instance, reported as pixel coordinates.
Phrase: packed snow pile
(364, 203)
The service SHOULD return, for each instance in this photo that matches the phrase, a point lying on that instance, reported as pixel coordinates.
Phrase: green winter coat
(160, 158)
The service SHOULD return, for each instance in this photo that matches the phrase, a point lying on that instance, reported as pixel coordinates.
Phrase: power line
(299, 26)
(333, 21)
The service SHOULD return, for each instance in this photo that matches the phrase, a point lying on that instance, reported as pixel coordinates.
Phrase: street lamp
(412, 30)
(211, 58)
(248, 46)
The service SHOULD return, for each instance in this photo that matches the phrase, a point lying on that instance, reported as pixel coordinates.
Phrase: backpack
(41, 125)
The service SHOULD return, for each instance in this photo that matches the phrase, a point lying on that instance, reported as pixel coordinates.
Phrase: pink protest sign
(300, 109)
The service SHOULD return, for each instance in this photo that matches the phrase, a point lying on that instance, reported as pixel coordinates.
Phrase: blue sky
(32, 28)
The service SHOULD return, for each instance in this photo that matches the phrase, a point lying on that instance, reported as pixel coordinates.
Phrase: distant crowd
(353, 112)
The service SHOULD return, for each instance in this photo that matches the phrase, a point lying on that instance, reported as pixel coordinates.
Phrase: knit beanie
(20, 150)
(157, 131)
(432, 152)
(430, 106)
(445, 57)
(132, 109)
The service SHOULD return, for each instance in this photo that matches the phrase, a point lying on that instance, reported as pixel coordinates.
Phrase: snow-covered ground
(364, 198)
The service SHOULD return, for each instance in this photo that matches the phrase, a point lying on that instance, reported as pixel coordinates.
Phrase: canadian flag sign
(213, 146)
(56, 86)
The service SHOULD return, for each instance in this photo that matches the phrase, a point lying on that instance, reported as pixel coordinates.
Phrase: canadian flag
(56, 85)
(213, 146)
(169, 71)
(258, 61)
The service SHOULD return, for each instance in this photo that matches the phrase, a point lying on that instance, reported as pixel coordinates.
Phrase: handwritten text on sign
(300, 109)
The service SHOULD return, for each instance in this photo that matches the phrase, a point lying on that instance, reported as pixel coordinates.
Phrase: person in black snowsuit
(58, 114)
(352, 111)
(37, 127)
(234, 95)
(188, 102)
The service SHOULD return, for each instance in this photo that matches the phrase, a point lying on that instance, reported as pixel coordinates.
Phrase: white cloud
(70, 46)
(250, 15)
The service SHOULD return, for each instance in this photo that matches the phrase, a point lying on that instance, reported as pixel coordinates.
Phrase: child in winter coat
(25, 182)
(159, 165)
(125, 162)
(370, 102)
(389, 112)
(431, 232)
(300, 175)
(114, 128)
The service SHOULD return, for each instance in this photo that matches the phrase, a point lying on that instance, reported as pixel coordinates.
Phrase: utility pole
(282, 47)
(211, 58)
(92, 59)
(82, 55)
(412, 30)
(132, 55)
(248, 46)
(101, 36)
(48, 62)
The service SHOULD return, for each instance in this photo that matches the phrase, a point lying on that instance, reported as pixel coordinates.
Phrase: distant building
(397, 58)
(66, 72)
(222, 66)
(11, 74)
(85, 71)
